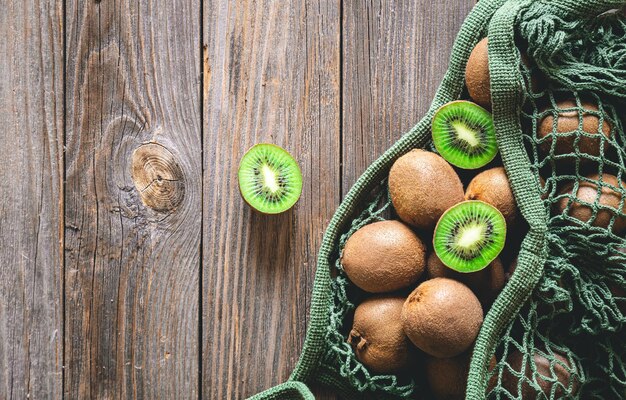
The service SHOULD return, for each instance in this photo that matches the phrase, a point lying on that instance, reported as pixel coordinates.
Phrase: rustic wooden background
(129, 266)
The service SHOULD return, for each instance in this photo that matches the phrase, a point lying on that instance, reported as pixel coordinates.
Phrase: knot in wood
(157, 177)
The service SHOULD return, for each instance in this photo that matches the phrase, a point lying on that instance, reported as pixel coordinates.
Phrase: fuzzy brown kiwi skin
(568, 121)
(442, 317)
(239, 186)
(384, 257)
(422, 186)
(477, 77)
(544, 377)
(486, 283)
(377, 337)
(492, 186)
(588, 192)
(447, 377)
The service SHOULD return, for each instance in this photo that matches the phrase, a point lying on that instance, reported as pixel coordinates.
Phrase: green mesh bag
(564, 307)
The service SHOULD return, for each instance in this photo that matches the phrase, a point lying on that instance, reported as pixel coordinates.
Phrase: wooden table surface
(129, 265)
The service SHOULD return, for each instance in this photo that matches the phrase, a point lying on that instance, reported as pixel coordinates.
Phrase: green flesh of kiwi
(270, 180)
(464, 135)
(469, 236)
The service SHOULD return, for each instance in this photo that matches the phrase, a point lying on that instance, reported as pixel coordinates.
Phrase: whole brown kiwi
(383, 257)
(447, 377)
(568, 121)
(442, 317)
(377, 336)
(477, 75)
(588, 192)
(546, 377)
(422, 185)
(492, 186)
(486, 283)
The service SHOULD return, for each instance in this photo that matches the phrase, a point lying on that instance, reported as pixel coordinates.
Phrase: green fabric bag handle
(286, 391)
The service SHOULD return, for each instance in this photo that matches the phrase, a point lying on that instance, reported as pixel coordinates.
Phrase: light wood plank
(271, 74)
(133, 199)
(31, 203)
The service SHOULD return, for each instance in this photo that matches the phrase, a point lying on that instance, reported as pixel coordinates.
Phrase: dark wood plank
(395, 55)
(271, 74)
(31, 217)
(133, 199)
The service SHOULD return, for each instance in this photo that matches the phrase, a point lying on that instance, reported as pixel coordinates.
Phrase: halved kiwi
(464, 135)
(469, 236)
(270, 180)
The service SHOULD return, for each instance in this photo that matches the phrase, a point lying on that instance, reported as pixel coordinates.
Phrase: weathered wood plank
(395, 55)
(133, 199)
(271, 74)
(31, 203)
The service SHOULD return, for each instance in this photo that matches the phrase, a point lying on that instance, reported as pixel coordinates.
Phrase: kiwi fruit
(555, 381)
(464, 135)
(588, 192)
(422, 185)
(477, 77)
(469, 236)
(447, 377)
(566, 128)
(270, 180)
(442, 317)
(383, 257)
(486, 283)
(377, 336)
(492, 186)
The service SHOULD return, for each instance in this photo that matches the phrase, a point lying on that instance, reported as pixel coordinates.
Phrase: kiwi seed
(469, 236)
(492, 186)
(486, 283)
(422, 185)
(270, 180)
(464, 134)
(442, 317)
(588, 192)
(552, 379)
(567, 130)
(383, 257)
(377, 336)
(477, 75)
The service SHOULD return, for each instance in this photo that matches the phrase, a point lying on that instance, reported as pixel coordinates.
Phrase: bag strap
(290, 390)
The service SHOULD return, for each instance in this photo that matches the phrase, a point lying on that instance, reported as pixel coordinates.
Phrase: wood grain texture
(133, 199)
(31, 217)
(271, 74)
(395, 55)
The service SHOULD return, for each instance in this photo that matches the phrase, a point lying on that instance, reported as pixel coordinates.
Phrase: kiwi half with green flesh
(377, 337)
(588, 192)
(553, 378)
(486, 283)
(492, 186)
(270, 180)
(383, 257)
(422, 185)
(442, 317)
(565, 130)
(469, 236)
(464, 135)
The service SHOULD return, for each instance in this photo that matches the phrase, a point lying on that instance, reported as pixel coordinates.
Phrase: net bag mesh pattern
(563, 313)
